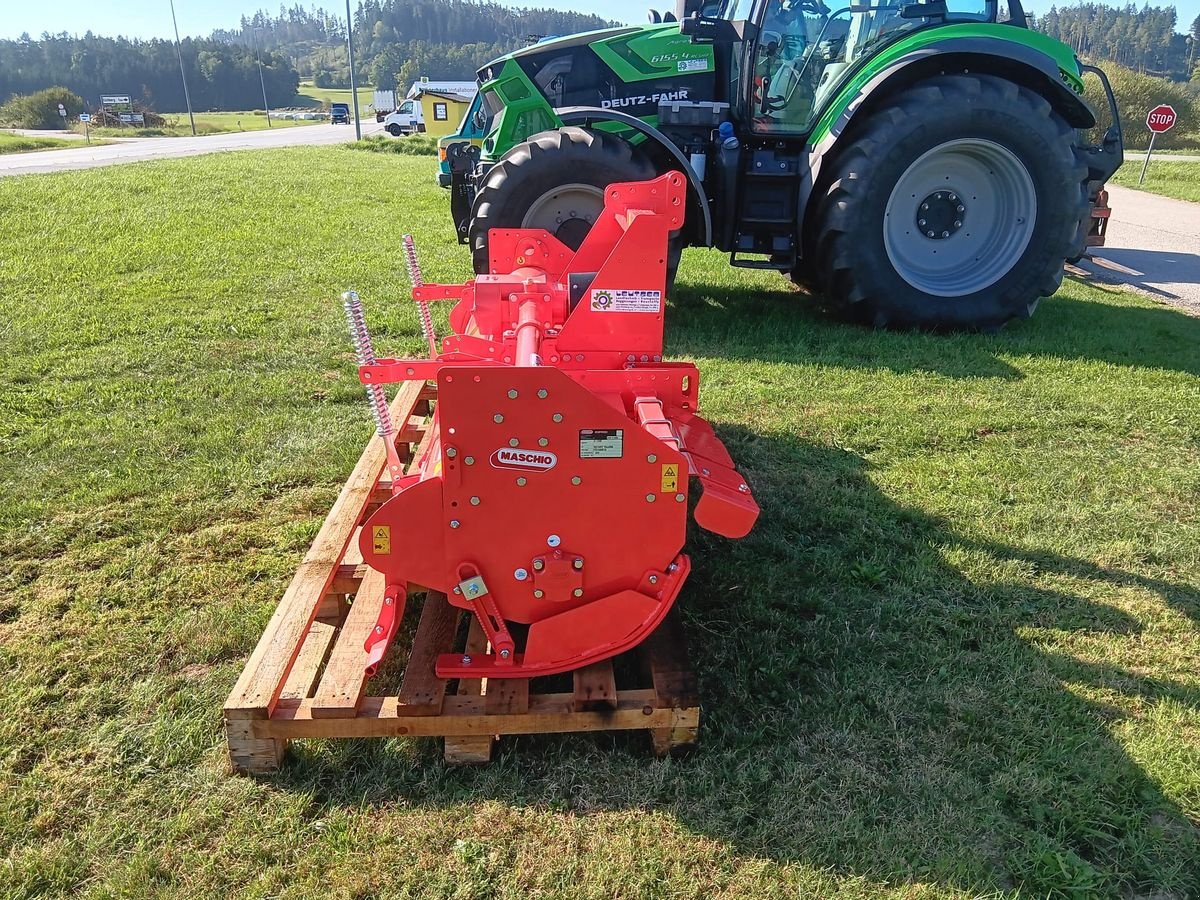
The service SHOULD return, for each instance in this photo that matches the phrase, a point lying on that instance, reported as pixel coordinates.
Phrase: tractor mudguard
(584, 115)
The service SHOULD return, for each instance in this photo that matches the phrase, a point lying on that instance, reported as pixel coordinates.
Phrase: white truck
(383, 103)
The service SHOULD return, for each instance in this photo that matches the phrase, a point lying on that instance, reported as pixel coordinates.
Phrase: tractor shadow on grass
(782, 325)
(869, 709)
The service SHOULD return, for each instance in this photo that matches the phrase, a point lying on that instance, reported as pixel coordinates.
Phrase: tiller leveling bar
(553, 491)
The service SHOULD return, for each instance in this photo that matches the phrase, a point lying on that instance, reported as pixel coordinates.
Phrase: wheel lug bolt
(924, 206)
(929, 234)
(961, 208)
(957, 223)
(945, 234)
(920, 221)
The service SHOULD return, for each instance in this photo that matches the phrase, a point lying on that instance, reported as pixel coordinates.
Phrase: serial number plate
(601, 443)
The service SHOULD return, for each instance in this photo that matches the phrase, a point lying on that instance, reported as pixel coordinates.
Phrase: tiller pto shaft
(552, 492)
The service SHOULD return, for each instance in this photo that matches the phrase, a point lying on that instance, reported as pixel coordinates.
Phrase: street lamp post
(261, 81)
(182, 74)
(353, 80)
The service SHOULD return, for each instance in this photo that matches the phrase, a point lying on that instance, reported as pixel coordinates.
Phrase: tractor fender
(1013, 61)
(584, 115)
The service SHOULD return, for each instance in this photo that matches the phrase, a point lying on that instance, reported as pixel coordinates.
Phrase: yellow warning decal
(670, 477)
(381, 539)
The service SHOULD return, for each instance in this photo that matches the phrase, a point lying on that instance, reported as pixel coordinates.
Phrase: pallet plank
(675, 684)
(257, 689)
(345, 677)
(472, 750)
(421, 691)
(596, 686)
(303, 677)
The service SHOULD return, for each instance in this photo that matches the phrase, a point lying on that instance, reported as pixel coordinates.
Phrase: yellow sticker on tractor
(670, 478)
(381, 539)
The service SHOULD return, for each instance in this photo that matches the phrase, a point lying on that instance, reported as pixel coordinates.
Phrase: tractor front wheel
(954, 206)
(556, 181)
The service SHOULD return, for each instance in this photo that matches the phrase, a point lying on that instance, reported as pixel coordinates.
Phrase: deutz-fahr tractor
(917, 164)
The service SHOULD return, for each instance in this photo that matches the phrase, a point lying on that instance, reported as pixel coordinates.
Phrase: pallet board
(306, 677)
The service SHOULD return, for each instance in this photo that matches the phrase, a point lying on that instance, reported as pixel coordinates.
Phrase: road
(142, 149)
(1153, 244)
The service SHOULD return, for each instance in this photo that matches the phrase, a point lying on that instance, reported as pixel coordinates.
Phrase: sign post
(85, 119)
(1161, 118)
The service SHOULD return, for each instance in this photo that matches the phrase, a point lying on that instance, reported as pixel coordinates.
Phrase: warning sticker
(626, 301)
(601, 443)
(381, 539)
(670, 478)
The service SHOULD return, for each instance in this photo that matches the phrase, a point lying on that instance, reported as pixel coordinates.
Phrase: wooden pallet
(305, 678)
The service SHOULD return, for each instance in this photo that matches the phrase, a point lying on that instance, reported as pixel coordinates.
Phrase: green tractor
(919, 164)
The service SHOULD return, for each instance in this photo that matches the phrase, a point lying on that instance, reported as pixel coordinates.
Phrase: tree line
(1144, 39)
(220, 75)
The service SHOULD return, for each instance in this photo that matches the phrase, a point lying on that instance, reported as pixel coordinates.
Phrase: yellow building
(441, 111)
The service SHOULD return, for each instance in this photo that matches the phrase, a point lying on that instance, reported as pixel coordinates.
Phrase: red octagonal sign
(1160, 119)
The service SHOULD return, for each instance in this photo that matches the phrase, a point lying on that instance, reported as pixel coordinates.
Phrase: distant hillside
(400, 40)
(1144, 39)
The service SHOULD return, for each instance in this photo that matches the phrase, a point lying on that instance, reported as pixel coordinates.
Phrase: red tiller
(552, 498)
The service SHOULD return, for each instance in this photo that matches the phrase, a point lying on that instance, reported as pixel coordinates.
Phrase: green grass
(956, 657)
(17, 143)
(411, 145)
(309, 95)
(1180, 180)
(178, 125)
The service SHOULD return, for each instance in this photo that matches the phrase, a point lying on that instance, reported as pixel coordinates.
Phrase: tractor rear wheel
(953, 206)
(556, 181)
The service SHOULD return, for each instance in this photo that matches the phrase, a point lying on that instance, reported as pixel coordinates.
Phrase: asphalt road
(141, 149)
(1153, 244)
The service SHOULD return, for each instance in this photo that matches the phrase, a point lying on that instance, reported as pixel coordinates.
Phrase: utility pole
(187, 98)
(266, 106)
(353, 80)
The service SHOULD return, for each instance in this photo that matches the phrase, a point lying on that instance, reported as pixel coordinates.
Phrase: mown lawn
(957, 657)
(19, 143)
(178, 125)
(1180, 180)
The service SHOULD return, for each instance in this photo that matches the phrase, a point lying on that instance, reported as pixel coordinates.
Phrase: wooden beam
(305, 672)
(596, 686)
(421, 691)
(345, 677)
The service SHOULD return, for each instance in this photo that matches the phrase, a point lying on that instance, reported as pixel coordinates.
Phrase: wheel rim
(960, 217)
(567, 212)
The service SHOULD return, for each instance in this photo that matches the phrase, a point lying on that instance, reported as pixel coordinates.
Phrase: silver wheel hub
(960, 217)
(567, 212)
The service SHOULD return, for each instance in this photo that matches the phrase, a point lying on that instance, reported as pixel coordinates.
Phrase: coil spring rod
(364, 351)
(417, 279)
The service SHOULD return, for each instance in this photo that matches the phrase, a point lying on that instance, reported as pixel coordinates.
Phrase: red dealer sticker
(529, 460)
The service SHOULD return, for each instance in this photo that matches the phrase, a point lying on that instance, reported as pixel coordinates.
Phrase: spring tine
(414, 275)
(364, 350)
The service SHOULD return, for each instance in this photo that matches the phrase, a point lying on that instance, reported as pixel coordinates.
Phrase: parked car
(339, 113)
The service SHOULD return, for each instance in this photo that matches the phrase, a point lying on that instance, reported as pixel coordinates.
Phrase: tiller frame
(551, 501)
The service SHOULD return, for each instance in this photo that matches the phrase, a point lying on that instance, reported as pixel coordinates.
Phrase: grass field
(315, 96)
(18, 143)
(1180, 180)
(178, 125)
(956, 658)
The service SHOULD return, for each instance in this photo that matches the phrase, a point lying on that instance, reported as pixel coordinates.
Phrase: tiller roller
(550, 498)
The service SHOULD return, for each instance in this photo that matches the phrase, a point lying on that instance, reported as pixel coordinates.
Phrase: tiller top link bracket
(553, 491)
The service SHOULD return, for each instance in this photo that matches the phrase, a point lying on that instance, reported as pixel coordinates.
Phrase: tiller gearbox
(551, 497)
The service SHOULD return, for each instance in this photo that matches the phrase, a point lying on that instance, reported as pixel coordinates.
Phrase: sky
(152, 18)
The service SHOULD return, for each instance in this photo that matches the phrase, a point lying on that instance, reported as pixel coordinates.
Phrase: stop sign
(1160, 119)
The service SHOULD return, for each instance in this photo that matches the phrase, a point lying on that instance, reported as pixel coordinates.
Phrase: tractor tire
(556, 181)
(936, 215)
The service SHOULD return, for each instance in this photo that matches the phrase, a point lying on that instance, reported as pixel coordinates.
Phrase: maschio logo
(530, 460)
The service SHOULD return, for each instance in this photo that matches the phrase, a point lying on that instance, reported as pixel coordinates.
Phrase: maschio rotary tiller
(551, 500)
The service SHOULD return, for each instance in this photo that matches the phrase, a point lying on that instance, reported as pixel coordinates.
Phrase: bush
(1138, 94)
(40, 110)
(413, 145)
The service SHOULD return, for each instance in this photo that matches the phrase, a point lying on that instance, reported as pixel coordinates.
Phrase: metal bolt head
(538, 565)
(575, 479)
(578, 563)
(543, 442)
(543, 393)
(745, 489)
(553, 541)
(945, 234)
(522, 481)
(921, 222)
(466, 660)
(512, 395)
(470, 460)
(649, 498)
(924, 206)
(929, 234)
(379, 629)
(557, 417)
(505, 653)
(454, 523)
(539, 594)
(651, 458)
(451, 452)
(653, 579)
(497, 418)
(474, 501)
(578, 592)
(513, 442)
(520, 574)
(679, 498)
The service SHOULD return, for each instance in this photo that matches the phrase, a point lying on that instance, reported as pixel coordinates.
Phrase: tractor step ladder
(768, 209)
